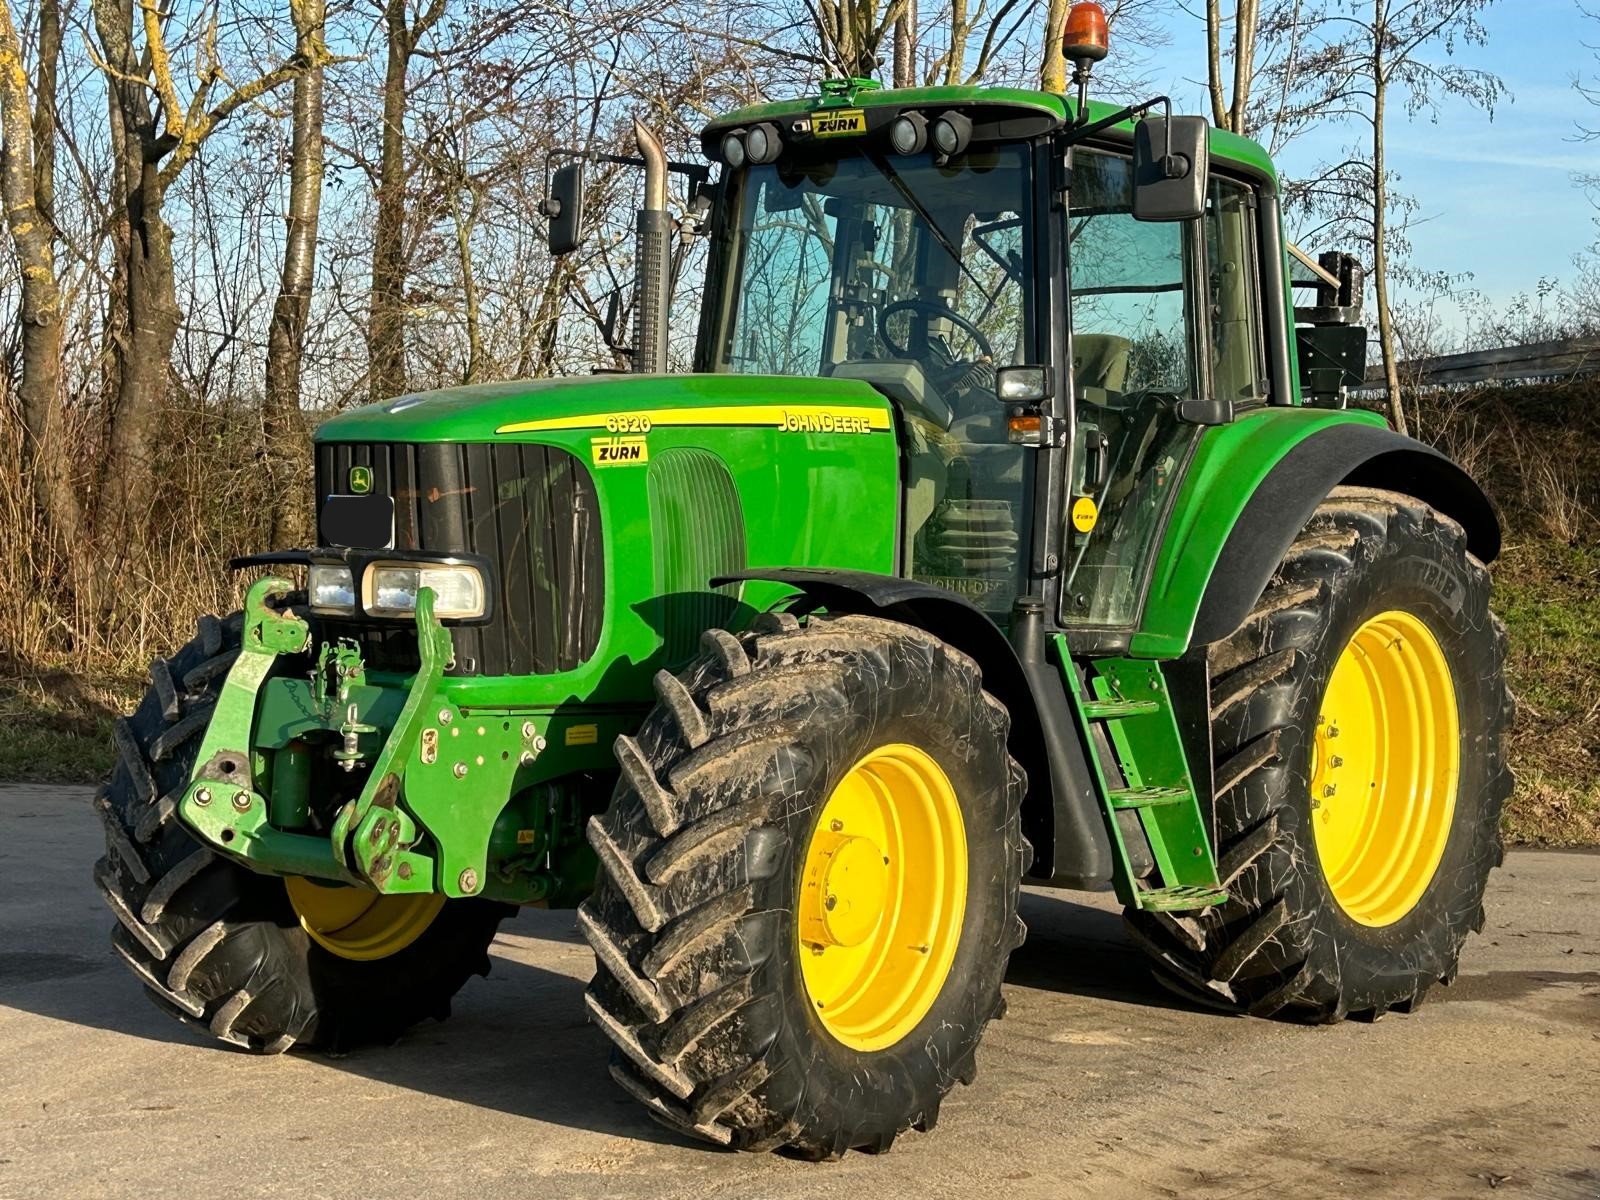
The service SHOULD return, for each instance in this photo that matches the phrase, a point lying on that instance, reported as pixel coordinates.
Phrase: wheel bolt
(1336, 761)
(203, 797)
(1329, 790)
(241, 801)
(830, 903)
(836, 825)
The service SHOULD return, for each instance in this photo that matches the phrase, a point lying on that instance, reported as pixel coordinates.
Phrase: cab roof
(1024, 112)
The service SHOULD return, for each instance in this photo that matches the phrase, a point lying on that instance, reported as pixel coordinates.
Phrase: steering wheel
(933, 308)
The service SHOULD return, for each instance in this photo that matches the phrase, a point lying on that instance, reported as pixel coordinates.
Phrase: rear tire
(219, 947)
(1285, 944)
(697, 915)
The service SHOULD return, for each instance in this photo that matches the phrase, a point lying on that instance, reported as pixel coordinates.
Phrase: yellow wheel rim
(883, 891)
(1384, 768)
(358, 924)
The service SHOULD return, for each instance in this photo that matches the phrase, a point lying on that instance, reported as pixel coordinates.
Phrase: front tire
(807, 800)
(1358, 722)
(223, 949)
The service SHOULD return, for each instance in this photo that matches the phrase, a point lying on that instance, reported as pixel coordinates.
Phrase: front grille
(530, 510)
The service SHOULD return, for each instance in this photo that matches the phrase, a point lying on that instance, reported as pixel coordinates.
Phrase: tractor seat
(1100, 367)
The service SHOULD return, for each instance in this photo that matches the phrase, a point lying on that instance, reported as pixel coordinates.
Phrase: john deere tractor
(1011, 528)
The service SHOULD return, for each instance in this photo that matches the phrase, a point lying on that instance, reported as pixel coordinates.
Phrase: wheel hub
(845, 889)
(1385, 761)
(883, 887)
(359, 924)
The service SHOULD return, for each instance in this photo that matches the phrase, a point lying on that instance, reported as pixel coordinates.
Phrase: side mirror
(1171, 159)
(564, 208)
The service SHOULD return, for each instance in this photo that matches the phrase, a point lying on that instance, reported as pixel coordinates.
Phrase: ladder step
(1149, 797)
(1174, 899)
(1105, 710)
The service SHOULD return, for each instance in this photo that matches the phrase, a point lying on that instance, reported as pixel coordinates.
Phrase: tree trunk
(27, 174)
(1380, 252)
(129, 490)
(905, 47)
(386, 345)
(1244, 64)
(1052, 66)
(1219, 106)
(283, 425)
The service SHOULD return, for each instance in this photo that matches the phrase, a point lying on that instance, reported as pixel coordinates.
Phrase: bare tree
(153, 144)
(27, 186)
(284, 430)
(1355, 66)
(386, 335)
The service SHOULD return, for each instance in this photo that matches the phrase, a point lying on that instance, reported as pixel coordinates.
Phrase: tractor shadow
(1080, 949)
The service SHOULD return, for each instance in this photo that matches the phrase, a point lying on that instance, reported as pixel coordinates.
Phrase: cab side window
(1233, 294)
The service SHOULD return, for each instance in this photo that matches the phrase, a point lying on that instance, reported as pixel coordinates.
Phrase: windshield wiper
(939, 236)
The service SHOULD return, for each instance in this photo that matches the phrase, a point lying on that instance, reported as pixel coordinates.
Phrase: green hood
(484, 412)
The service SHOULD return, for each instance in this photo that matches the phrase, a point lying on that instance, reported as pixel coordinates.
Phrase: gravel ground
(1097, 1083)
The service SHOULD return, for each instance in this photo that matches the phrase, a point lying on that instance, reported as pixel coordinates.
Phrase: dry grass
(1537, 451)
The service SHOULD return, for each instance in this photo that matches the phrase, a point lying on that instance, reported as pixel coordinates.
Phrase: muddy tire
(219, 947)
(696, 917)
(1286, 944)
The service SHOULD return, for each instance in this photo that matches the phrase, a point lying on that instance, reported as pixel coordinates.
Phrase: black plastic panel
(530, 510)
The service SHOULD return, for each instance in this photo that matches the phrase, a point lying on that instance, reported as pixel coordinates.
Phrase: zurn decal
(618, 451)
(839, 122)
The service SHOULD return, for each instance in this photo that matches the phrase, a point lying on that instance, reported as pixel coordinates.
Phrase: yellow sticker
(582, 735)
(1084, 514)
(839, 123)
(804, 418)
(619, 451)
(527, 837)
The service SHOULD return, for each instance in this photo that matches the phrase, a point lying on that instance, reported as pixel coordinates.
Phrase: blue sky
(1497, 198)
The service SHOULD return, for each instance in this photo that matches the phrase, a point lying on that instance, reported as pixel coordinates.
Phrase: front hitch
(372, 837)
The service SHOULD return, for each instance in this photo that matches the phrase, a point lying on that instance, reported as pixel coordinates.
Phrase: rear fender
(1250, 491)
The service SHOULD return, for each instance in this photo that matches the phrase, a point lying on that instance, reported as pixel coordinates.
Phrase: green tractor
(1010, 529)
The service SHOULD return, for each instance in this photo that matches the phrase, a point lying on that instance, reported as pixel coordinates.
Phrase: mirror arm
(1079, 132)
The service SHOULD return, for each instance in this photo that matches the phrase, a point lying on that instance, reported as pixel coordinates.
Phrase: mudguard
(1249, 492)
(1060, 814)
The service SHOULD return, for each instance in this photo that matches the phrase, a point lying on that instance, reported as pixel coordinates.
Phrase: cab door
(1161, 313)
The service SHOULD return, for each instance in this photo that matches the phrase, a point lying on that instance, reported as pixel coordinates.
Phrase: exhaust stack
(654, 258)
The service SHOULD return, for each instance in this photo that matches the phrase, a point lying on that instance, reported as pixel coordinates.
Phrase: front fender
(1249, 491)
(1060, 815)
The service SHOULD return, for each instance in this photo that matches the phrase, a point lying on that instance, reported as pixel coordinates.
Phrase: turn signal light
(1085, 37)
(1025, 429)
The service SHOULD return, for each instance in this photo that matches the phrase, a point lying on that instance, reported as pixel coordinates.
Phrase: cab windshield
(916, 277)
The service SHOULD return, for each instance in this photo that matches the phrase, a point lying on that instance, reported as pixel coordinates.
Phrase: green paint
(1138, 733)
(1229, 464)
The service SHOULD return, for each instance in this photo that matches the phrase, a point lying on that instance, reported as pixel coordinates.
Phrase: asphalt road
(1096, 1084)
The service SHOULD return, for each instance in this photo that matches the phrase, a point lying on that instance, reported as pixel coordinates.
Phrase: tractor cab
(1051, 331)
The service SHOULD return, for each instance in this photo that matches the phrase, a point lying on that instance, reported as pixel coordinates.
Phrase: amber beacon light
(1084, 38)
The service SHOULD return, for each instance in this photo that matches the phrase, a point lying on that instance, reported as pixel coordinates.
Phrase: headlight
(390, 590)
(763, 143)
(909, 133)
(332, 589)
(951, 133)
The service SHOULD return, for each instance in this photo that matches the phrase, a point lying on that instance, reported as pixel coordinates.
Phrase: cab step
(1176, 899)
(1105, 710)
(1137, 757)
(1148, 797)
